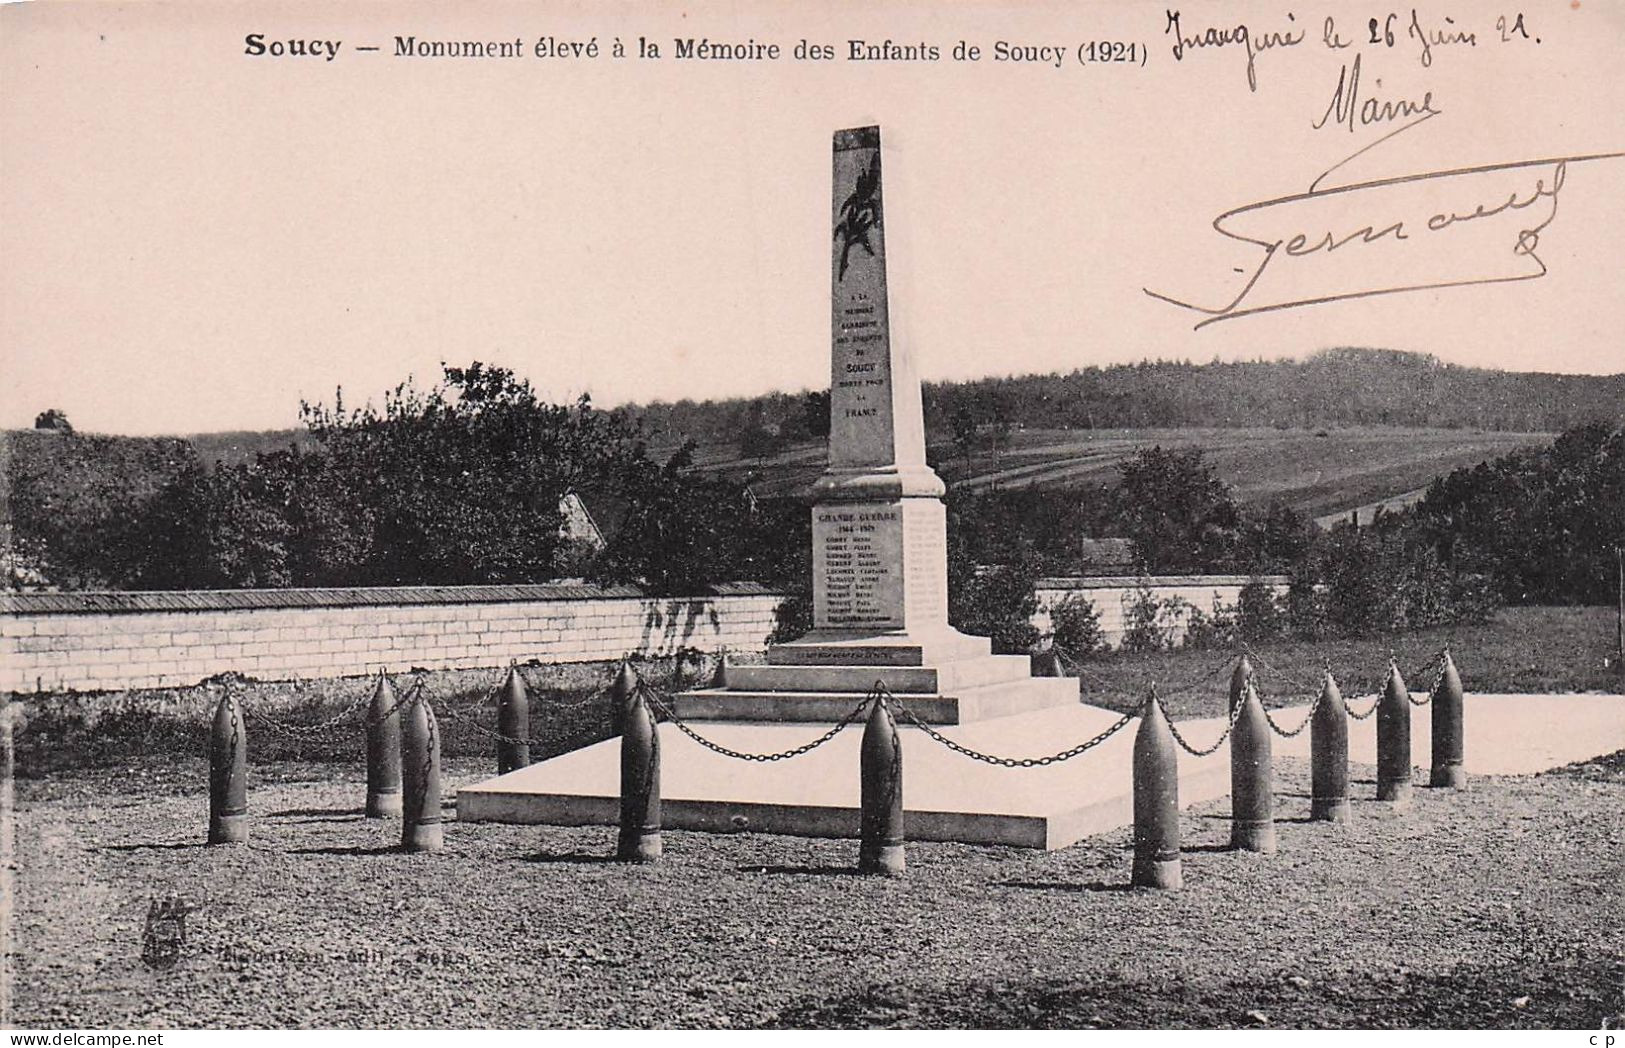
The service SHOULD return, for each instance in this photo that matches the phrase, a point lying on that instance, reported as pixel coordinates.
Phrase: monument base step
(964, 706)
(932, 679)
(946, 796)
(830, 647)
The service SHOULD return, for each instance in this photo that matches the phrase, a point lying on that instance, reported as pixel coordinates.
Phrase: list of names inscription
(857, 550)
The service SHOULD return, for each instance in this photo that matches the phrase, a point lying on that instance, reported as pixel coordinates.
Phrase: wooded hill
(1334, 387)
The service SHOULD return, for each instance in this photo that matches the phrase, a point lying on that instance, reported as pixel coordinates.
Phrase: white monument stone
(880, 550)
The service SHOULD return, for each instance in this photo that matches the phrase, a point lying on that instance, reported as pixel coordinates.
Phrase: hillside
(1318, 472)
(1332, 388)
(237, 446)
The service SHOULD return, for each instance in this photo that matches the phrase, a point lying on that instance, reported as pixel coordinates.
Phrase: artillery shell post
(1156, 803)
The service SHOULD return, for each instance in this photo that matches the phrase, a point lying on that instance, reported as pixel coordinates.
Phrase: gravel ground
(1498, 907)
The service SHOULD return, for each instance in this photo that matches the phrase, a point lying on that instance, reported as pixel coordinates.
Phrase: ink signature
(1457, 227)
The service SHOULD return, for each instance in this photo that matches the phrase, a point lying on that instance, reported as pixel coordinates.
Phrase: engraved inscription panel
(858, 566)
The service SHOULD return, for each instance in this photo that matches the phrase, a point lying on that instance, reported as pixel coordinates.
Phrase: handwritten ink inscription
(1452, 226)
(1435, 229)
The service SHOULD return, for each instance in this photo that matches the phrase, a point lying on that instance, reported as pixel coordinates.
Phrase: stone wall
(1111, 596)
(136, 640)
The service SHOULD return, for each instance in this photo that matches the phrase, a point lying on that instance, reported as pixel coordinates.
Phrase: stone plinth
(946, 797)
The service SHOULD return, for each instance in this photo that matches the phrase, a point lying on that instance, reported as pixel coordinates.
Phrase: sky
(194, 239)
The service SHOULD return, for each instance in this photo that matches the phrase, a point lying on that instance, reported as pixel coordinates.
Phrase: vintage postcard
(815, 515)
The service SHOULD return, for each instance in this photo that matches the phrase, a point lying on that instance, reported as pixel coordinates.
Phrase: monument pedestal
(945, 677)
(946, 797)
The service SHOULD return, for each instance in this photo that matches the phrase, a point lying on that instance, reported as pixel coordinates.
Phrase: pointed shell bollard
(1156, 803)
(1447, 733)
(1238, 682)
(1394, 741)
(513, 723)
(421, 828)
(1329, 756)
(880, 849)
(1252, 788)
(228, 774)
(383, 751)
(639, 839)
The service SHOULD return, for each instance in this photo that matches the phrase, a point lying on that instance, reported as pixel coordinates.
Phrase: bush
(1209, 630)
(1075, 627)
(792, 619)
(997, 601)
(1384, 579)
(1259, 615)
(1148, 621)
(1306, 607)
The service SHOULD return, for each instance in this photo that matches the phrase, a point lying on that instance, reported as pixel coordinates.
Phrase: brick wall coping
(103, 602)
(1155, 581)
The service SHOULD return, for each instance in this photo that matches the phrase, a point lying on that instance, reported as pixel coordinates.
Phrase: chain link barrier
(1307, 717)
(664, 712)
(1003, 762)
(467, 713)
(1184, 744)
(664, 709)
(1075, 663)
(1320, 693)
(301, 732)
(1438, 679)
(1368, 714)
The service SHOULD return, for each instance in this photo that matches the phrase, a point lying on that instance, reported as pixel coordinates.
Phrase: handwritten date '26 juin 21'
(1442, 228)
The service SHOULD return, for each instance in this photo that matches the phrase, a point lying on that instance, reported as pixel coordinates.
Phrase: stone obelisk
(879, 529)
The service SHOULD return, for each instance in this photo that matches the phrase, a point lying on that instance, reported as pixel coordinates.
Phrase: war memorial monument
(880, 615)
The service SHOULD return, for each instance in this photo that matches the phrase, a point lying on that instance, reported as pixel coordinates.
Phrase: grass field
(1316, 471)
(1522, 650)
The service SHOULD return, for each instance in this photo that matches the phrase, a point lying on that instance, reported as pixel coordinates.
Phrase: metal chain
(1193, 683)
(1438, 679)
(1006, 762)
(588, 699)
(1307, 717)
(467, 717)
(1190, 684)
(1235, 713)
(1075, 665)
(401, 699)
(1258, 660)
(466, 714)
(306, 731)
(1368, 714)
(665, 712)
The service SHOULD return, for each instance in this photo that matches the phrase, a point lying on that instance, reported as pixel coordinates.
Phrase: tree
(756, 441)
(1541, 524)
(1177, 511)
(461, 484)
(815, 414)
(686, 533)
(965, 434)
(53, 419)
(76, 504)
